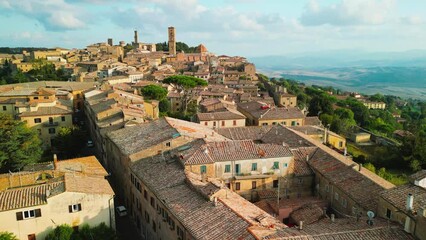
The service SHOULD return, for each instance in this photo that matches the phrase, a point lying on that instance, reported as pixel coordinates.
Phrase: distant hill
(17, 50)
(401, 74)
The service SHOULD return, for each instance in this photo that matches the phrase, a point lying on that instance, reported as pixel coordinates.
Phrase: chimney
(307, 158)
(360, 167)
(410, 200)
(55, 161)
(325, 212)
(300, 225)
(215, 201)
(332, 217)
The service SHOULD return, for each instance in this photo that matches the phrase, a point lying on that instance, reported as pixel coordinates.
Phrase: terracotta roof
(308, 214)
(88, 165)
(272, 113)
(83, 183)
(313, 121)
(27, 196)
(199, 216)
(236, 150)
(301, 166)
(398, 196)
(279, 134)
(226, 115)
(41, 111)
(244, 133)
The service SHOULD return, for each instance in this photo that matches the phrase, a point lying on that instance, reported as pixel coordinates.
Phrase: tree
(164, 105)
(7, 236)
(61, 232)
(185, 84)
(154, 92)
(19, 145)
(68, 141)
(320, 103)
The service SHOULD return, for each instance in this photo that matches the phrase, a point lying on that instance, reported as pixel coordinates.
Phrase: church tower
(172, 41)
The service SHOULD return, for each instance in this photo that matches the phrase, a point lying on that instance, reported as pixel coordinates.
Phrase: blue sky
(235, 27)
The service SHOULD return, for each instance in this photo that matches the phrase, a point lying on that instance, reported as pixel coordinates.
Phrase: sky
(234, 27)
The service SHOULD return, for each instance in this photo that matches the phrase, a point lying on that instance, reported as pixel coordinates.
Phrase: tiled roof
(133, 139)
(308, 214)
(308, 130)
(244, 133)
(103, 105)
(279, 134)
(418, 175)
(27, 196)
(83, 183)
(313, 121)
(344, 229)
(88, 165)
(272, 113)
(301, 167)
(226, 115)
(236, 150)
(199, 216)
(194, 130)
(41, 111)
(398, 196)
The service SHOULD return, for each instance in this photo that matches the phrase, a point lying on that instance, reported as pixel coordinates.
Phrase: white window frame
(29, 214)
(75, 208)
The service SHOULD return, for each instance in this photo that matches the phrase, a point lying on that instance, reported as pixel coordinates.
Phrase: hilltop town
(185, 146)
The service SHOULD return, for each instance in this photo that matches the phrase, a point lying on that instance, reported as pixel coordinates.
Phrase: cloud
(54, 15)
(348, 12)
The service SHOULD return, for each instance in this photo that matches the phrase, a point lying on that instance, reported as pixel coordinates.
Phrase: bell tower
(172, 41)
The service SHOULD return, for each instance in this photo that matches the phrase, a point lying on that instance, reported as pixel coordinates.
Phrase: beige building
(75, 192)
(229, 118)
(261, 114)
(374, 105)
(320, 134)
(40, 109)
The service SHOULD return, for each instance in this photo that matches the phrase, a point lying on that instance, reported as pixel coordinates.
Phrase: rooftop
(244, 133)
(398, 196)
(270, 113)
(41, 111)
(226, 115)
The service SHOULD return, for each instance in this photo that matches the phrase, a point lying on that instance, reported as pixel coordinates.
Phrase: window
(37, 120)
(34, 213)
(154, 226)
(293, 123)
(152, 202)
(336, 196)
(276, 165)
(300, 180)
(275, 183)
(253, 185)
(172, 224)
(214, 124)
(237, 186)
(340, 144)
(179, 233)
(146, 216)
(274, 123)
(254, 166)
(63, 118)
(35, 98)
(234, 123)
(4, 108)
(205, 123)
(52, 130)
(45, 97)
(168, 144)
(227, 168)
(203, 169)
(32, 237)
(388, 213)
(284, 123)
(50, 120)
(327, 188)
(74, 208)
(264, 124)
(285, 164)
(145, 194)
(223, 123)
(344, 202)
(237, 168)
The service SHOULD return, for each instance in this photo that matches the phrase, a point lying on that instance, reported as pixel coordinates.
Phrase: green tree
(69, 141)
(164, 106)
(370, 167)
(19, 145)
(185, 84)
(7, 236)
(61, 232)
(154, 92)
(320, 103)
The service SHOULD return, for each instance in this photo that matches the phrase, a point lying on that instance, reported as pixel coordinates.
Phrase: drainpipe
(110, 215)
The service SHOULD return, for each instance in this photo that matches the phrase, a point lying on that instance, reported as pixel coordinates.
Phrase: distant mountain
(402, 74)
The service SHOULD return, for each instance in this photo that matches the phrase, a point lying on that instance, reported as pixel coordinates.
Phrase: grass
(356, 151)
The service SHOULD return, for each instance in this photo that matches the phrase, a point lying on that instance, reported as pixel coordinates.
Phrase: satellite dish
(370, 214)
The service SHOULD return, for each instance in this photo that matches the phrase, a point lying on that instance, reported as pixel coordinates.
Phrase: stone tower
(136, 37)
(172, 41)
(110, 42)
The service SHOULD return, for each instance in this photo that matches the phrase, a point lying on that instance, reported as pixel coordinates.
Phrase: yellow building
(75, 192)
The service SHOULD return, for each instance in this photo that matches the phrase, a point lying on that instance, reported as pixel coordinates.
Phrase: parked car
(121, 211)
(90, 143)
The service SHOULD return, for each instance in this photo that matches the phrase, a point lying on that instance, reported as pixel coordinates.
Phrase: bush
(7, 236)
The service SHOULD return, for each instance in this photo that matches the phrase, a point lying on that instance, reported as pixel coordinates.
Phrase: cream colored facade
(287, 100)
(24, 66)
(374, 105)
(95, 209)
(285, 122)
(224, 123)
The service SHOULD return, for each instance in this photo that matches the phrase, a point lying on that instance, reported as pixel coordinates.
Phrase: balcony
(50, 124)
